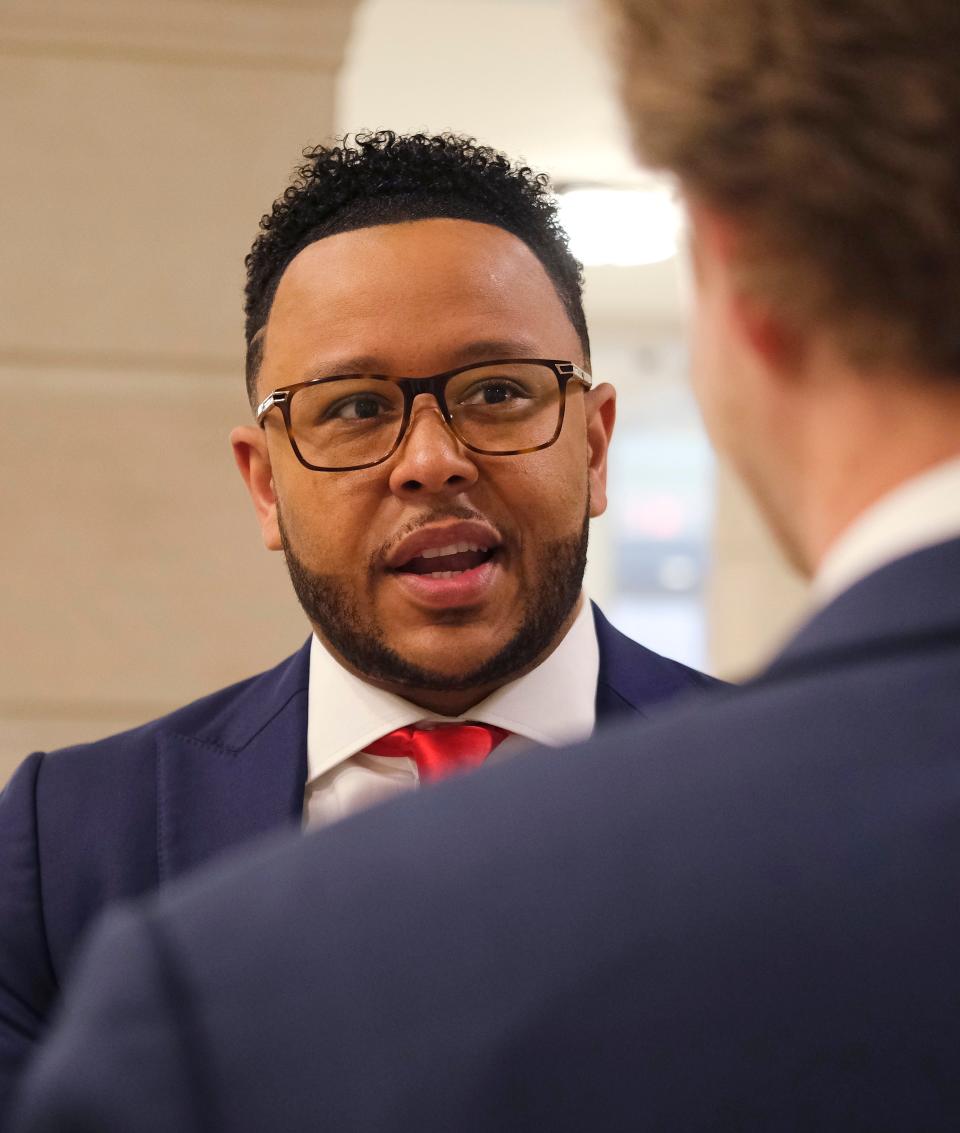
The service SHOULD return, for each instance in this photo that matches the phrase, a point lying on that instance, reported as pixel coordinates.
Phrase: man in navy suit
(744, 916)
(427, 451)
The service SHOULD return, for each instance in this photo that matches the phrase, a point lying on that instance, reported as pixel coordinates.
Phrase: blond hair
(831, 128)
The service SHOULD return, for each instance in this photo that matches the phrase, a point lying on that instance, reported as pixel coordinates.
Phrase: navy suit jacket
(744, 917)
(87, 826)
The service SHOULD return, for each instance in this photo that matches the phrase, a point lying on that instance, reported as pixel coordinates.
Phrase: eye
(493, 391)
(358, 407)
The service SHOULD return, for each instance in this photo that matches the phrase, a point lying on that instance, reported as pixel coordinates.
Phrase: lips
(448, 565)
(448, 560)
(444, 549)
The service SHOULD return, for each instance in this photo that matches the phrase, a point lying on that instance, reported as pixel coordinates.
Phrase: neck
(865, 438)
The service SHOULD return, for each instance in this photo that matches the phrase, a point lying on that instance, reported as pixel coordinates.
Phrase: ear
(717, 251)
(769, 335)
(600, 405)
(253, 459)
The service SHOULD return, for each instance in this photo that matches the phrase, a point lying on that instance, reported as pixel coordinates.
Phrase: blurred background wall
(141, 143)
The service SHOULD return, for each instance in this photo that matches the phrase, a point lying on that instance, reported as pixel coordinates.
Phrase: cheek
(546, 494)
(327, 520)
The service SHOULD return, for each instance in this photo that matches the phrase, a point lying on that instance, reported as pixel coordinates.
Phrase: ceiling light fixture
(623, 227)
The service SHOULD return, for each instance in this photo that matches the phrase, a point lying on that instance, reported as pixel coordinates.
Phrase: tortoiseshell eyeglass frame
(564, 371)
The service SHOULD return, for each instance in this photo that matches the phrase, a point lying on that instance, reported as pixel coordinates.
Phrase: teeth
(452, 549)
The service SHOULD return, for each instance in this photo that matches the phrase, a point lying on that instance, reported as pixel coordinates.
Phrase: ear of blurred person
(740, 915)
(815, 437)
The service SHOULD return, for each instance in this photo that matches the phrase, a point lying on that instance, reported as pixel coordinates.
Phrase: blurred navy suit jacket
(87, 826)
(743, 916)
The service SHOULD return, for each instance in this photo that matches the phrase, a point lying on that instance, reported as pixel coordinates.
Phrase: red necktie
(442, 750)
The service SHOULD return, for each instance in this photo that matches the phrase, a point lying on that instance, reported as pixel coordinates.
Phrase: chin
(451, 651)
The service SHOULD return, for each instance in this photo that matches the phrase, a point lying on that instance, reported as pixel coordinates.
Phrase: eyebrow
(479, 350)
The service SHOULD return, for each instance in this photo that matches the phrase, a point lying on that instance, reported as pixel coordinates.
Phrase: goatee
(356, 636)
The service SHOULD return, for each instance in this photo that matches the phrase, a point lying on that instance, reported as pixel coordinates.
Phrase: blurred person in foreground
(428, 449)
(754, 925)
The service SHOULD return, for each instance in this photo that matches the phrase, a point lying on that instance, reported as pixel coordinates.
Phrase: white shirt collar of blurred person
(552, 705)
(921, 512)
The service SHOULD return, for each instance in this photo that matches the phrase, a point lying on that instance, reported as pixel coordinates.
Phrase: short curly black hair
(385, 178)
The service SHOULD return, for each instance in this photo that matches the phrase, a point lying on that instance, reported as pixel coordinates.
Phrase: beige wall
(141, 143)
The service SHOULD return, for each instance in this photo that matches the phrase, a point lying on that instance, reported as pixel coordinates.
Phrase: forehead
(412, 298)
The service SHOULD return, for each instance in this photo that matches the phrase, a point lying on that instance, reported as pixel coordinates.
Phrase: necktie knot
(443, 749)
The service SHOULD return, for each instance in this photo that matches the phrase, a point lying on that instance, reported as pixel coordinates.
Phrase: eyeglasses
(506, 407)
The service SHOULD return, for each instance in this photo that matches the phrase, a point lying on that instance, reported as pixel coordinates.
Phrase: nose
(431, 461)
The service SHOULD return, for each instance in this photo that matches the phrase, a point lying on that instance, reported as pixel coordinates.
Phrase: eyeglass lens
(356, 420)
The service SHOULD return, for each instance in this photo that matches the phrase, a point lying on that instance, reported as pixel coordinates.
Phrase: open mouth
(448, 561)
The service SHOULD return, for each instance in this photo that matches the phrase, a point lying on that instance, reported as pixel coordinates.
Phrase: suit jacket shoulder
(86, 826)
(633, 680)
(119, 816)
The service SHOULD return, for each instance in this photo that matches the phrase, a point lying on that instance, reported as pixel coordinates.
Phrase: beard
(546, 604)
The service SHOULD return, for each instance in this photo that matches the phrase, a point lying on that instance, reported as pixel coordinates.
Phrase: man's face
(416, 299)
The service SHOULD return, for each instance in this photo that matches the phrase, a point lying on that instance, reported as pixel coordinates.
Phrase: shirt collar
(919, 513)
(553, 704)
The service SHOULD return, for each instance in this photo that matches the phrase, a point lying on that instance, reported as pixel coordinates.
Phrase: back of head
(382, 178)
(831, 129)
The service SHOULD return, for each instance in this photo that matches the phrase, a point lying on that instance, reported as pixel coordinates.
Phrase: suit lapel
(611, 706)
(239, 775)
(633, 679)
(620, 694)
(623, 673)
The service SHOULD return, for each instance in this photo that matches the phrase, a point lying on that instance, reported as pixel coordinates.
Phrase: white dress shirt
(552, 705)
(921, 512)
